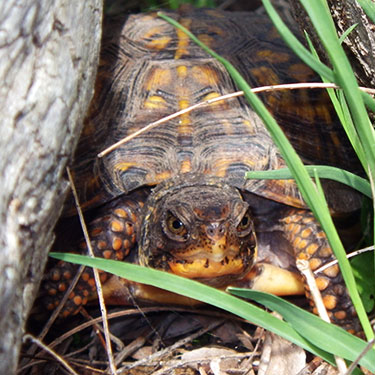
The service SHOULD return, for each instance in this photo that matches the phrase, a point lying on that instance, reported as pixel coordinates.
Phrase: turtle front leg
(113, 235)
(310, 243)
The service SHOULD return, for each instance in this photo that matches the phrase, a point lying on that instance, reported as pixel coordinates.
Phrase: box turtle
(175, 198)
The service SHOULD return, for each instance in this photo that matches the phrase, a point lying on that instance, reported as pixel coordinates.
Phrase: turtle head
(203, 232)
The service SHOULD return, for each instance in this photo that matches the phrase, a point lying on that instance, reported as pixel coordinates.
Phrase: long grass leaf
(294, 163)
(369, 7)
(198, 291)
(303, 53)
(321, 333)
(319, 14)
(350, 179)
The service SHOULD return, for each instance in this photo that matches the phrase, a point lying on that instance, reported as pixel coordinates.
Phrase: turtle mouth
(212, 269)
(206, 268)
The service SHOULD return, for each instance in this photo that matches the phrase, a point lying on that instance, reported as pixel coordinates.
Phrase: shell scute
(149, 70)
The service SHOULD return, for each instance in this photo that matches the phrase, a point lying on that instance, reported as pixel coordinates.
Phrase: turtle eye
(176, 226)
(244, 226)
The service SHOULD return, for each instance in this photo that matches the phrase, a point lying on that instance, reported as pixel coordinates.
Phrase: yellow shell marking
(183, 104)
(158, 77)
(162, 176)
(214, 13)
(182, 71)
(159, 43)
(212, 95)
(124, 166)
(184, 126)
(220, 103)
(183, 39)
(206, 39)
(272, 56)
(220, 166)
(265, 76)
(185, 166)
(205, 75)
(155, 102)
(275, 280)
(249, 126)
(227, 126)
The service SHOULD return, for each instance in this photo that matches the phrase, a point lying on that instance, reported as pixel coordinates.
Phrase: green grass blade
(350, 129)
(319, 14)
(198, 291)
(341, 108)
(308, 58)
(319, 332)
(298, 48)
(332, 173)
(294, 163)
(347, 32)
(369, 7)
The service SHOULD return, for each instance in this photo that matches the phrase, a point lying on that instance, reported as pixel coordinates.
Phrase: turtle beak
(217, 233)
(219, 250)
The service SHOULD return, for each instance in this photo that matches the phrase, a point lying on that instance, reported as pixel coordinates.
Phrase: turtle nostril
(215, 230)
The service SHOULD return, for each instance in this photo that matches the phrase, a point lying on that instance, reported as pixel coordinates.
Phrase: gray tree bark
(359, 44)
(48, 58)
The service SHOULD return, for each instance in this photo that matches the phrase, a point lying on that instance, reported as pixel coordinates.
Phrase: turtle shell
(149, 70)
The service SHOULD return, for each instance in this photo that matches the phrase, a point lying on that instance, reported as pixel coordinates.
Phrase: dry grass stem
(270, 88)
(355, 363)
(129, 349)
(51, 352)
(352, 254)
(56, 312)
(97, 278)
(304, 267)
(128, 312)
(161, 353)
(182, 364)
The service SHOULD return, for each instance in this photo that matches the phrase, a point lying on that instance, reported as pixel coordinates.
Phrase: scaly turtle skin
(175, 198)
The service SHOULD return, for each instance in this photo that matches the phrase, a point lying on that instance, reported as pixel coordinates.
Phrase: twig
(304, 267)
(129, 312)
(335, 261)
(270, 88)
(130, 348)
(56, 312)
(355, 363)
(176, 345)
(97, 279)
(36, 341)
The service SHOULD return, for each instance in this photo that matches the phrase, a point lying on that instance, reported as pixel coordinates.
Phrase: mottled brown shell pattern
(149, 70)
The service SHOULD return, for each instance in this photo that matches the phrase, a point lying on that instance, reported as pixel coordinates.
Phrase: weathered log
(359, 44)
(48, 58)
